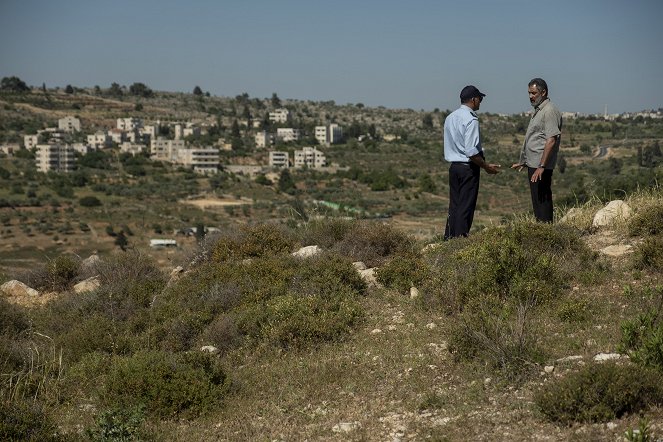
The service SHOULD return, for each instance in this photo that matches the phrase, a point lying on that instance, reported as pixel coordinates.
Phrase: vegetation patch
(642, 336)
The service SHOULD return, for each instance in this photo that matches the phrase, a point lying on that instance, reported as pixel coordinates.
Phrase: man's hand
(518, 166)
(536, 176)
(492, 169)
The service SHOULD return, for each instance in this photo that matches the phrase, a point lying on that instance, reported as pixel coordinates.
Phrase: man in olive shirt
(540, 149)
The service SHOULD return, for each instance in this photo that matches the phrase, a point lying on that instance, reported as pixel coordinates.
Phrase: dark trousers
(463, 192)
(541, 191)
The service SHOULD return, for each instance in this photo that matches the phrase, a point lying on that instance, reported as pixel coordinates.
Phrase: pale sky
(400, 54)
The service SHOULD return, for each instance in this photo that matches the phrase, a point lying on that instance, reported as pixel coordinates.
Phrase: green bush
(648, 221)
(118, 425)
(252, 242)
(373, 243)
(642, 337)
(25, 420)
(649, 254)
(166, 384)
(89, 201)
(600, 393)
(403, 272)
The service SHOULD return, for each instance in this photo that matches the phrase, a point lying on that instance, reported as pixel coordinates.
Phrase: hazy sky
(399, 54)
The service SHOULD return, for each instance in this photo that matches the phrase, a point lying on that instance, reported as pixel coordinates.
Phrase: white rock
(359, 265)
(617, 250)
(487, 381)
(307, 252)
(376, 331)
(602, 357)
(571, 215)
(414, 293)
(431, 247)
(549, 368)
(209, 349)
(346, 427)
(17, 288)
(613, 211)
(570, 358)
(90, 261)
(88, 285)
(431, 326)
(611, 425)
(369, 277)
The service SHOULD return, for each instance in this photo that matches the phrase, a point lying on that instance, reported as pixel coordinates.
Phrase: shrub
(649, 253)
(118, 424)
(89, 201)
(600, 393)
(167, 384)
(325, 233)
(222, 333)
(252, 242)
(403, 272)
(26, 420)
(648, 221)
(642, 337)
(373, 243)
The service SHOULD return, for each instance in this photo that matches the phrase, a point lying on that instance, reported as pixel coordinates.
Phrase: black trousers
(463, 193)
(541, 191)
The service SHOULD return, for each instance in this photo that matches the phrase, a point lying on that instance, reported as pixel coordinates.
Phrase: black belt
(460, 163)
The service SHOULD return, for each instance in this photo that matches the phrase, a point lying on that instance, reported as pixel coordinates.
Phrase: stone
(549, 368)
(175, 275)
(617, 250)
(209, 349)
(431, 325)
(18, 289)
(369, 278)
(307, 252)
(570, 359)
(346, 427)
(571, 215)
(602, 357)
(613, 211)
(90, 262)
(359, 265)
(431, 247)
(376, 331)
(414, 293)
(88, 285)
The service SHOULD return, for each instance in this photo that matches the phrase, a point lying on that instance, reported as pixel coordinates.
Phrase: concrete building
(279, 159)
(55, 157)
(165, 150)
(280, 116)
(9, 149)
(30, 141)
(327, 135)
(82, 148)
(128, 124)
(99, 140)
(132, 148)
(117, 136)
(203, 160)
(310, 157)
(287, 134)
(264, 139)
(69, 124)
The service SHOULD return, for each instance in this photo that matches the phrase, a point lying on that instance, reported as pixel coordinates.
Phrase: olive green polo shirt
(545, 123)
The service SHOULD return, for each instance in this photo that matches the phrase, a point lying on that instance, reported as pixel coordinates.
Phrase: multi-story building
(30, 141)
(132, 147)
(201, 159)
(55, 157)
(9, 149)
(131, 123)
(82, 148)
(279, 159)
(263, 139)
(99, 140)
(327, 135)
(165, 150)
(280, 116)
(310, 157)
(117, 135)
(287, 134)
(69, 124)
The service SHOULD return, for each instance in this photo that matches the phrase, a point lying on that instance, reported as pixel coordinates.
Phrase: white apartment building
(165, 150)
(327, 135)
(9, 149)
(203, 160)
(82, 148)
(263, 139)
(150, 131)
(55, 157)
(30, 141)
(128, 124)
(280, 116)
(69, 124)
(191, 130)
(287, 134)
(117, 135)
(132, 148)
(310, 157)
(99, 140)
(279, 159)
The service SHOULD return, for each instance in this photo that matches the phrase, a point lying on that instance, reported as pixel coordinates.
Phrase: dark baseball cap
(470, 92)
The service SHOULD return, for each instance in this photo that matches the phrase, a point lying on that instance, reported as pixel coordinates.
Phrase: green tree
(276, 101)
(140, 90)
(115, 90)
(427, 121)
(121, 241)
(426, 183)
(286, 182)
(69, 89)
(197, 91)
(13, 84)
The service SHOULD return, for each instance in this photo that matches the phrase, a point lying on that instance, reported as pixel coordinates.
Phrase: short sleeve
(552, 124)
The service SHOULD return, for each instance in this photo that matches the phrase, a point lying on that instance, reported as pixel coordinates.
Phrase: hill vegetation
(522, 331)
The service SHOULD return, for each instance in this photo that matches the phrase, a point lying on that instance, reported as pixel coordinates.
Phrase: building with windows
(30, 141)
(279, 159)
(263, 139)
(280, 116)
(55, 157)
(203, 160)
(310, 157)
(287, 134)
(69, 124)
(128, 124)
(165, 150)
(132, 148)
(99, 140)
(327, 135)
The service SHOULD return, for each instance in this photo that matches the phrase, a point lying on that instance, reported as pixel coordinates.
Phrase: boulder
(307, 252)
(617, 250)
(88, 285)
(571, 215)
(614, 211)
(369, 277)
(359, 265)
(90, 262)
(16, 288)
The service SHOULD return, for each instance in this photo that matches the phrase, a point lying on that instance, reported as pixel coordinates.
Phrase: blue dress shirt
(461, 135)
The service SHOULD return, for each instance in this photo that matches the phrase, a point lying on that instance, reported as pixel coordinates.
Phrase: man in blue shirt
(462, 148)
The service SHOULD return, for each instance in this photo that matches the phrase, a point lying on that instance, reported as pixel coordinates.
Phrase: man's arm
(492, 169)
(547, 149)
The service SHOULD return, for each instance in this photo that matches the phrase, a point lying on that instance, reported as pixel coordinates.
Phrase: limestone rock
(359, 265)
(571, 215)
(346, 427)
(307, 252)
(88, 285)
(209, 349)
(613, 211)
(414, 293)
(16, 288)
(90, 262)
(175, 275)
(369, 277)
(617, 250)
(602, 357)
